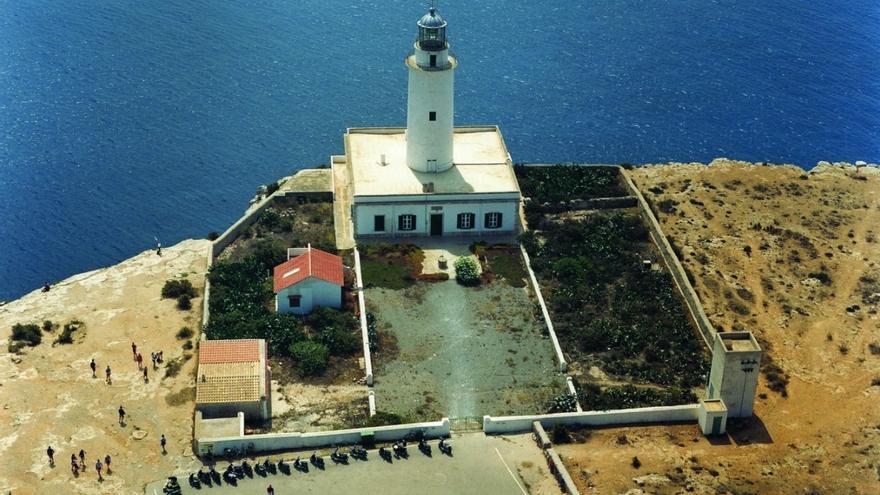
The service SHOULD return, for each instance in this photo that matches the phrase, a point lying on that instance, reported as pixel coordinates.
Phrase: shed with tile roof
(233, 377)
(309, 280)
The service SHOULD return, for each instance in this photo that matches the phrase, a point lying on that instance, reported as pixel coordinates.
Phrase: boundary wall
(698, 315)
(563, 365)
(554, 462)
(660, 414)
(365, 335)
(270, 442)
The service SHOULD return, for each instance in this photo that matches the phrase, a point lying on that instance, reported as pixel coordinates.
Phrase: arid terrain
(794, 257)
(49, 397)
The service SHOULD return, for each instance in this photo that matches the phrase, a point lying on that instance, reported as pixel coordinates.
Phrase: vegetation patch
(176, 288)
(285, 224)
(467, 271)
(596, 398)
(66, 336)
(392, 266)
(28, 334)
(501, 260)
(181, 397)
(607, 306)
(565, 183)
(184, 333)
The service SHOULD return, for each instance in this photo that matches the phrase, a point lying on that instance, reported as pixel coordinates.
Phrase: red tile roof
(313, 263)
(229, 351)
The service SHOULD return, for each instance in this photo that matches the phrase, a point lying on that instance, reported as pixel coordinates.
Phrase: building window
(406, 222)
(379, 223)
(294, 301)
(466, 220)
(433, 60)
(493, 220)
(432, 116)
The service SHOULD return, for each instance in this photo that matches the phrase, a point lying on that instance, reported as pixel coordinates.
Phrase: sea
(127, 121)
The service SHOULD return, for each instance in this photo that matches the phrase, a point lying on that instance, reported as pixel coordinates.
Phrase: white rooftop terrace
(481, 163)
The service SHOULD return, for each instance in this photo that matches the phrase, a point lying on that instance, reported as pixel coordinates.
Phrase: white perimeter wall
(663, 414)
(288, 441)
(363, 217)
(314, 293)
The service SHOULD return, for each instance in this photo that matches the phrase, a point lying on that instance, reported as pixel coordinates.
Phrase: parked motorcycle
(247, 469)
(385, 454)
(215, 476)
(339, 457)
(445, 448)
(269, 466)
(358, 452)
(424, 447)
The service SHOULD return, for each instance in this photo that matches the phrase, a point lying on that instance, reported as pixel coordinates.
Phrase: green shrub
(175, 288)
(636, 463)
(66, 336)
(339, 341)
(382, 418)
(187, 345)
(272, 187)
(184, 333)
(311, 357)
(467, 271)
(563, 403)
(48, 326)
(269, 220)
(15, 346)
(184, 302)
(29, 333)
(529, 241)
(213, 235)
(172, 367)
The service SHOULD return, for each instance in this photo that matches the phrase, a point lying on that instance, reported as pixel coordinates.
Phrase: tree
(311, 357)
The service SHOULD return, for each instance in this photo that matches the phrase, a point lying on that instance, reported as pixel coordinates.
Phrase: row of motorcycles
(236, 472)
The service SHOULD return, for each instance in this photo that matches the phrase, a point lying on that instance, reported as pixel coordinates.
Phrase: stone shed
(233, 377)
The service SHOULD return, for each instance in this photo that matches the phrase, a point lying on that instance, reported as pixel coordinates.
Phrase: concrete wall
(563, 365)
(314, 293)
(662, 414)
(289, 441)
(364, 213)
(365, 338)
(252, 410)
(695, 308)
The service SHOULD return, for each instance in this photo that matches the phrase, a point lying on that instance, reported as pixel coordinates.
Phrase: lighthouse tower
(430, 100)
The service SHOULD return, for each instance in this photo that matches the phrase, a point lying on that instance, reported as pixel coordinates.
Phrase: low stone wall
(563, 365)
(362, 309)
(695, 308)
(661, 414)
(557, 469)
(271, 442)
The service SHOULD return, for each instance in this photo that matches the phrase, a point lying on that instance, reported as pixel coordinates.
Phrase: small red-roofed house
(309, 280)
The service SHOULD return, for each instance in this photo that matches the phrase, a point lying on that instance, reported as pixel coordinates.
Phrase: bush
(560, 434)
(636, 463)
(272, 187)
(29, 334)
(311, 357)
(467, 271)
(184, 333)
(184, 302)
(188, 345)
(172, 367)
(529, 241)
(48, 326)
(563, 403)
(382, 418)
(66, 336)
(213, 235)
(173, 289)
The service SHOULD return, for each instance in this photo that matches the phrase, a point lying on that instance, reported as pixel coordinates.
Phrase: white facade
(736, 359)
(475, 211)
(312, 292)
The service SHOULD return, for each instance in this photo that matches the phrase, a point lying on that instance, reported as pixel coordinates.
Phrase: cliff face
(48, 394)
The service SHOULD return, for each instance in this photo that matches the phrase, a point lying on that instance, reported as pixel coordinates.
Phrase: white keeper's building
(430, 178)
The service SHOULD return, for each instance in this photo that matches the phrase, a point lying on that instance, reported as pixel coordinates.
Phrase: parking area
(478, 465)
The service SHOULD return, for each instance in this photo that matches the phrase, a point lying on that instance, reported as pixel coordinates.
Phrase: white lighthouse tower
(430, 100)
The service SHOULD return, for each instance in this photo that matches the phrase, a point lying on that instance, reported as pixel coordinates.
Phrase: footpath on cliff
(49, 397)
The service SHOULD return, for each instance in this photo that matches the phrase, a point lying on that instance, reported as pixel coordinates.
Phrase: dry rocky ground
(795, 258)
(48, 396)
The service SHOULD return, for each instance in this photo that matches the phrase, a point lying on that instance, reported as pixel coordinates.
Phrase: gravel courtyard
(462, 351)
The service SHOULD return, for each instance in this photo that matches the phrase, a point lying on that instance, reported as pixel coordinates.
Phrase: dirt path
(757, 240)
(49, 397)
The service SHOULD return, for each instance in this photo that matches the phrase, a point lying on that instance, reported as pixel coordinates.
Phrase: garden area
(621, 321)
(320, 349)
(460, 343)
(567, 182)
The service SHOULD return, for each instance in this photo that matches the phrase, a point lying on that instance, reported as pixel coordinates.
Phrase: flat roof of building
(231, 371)
(480, 157)
(739, 341)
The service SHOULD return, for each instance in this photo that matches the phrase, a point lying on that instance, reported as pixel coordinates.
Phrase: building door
(437, 224)
(716, 425)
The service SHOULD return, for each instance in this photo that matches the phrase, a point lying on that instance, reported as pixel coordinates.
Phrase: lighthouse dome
(432, 31)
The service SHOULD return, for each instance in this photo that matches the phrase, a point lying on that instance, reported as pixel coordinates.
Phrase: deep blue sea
(121, 120)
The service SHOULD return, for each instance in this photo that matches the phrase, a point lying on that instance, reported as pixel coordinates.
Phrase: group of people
(78, 465)
(157, 358)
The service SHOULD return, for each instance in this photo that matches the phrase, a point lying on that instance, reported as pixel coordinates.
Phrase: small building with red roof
(233, 377)
(310, 279)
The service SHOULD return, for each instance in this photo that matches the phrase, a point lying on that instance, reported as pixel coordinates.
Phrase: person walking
(107, 463)
(94, 367)
(121, 416)
(82, 459)
(74, 467)
(270, 490)
(153, 356)
(162, 442)
(145, 374)
(98, 467)
(51, 453)
(134, 350)
(107, 375)
(139, 359)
